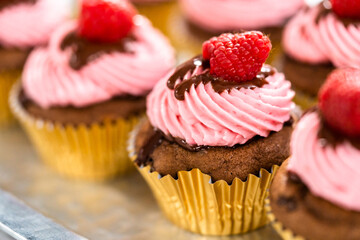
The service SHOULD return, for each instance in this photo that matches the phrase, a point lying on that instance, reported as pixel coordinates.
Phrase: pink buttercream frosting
(49, 80)
(327, 40)
(206, 117)
(27, 25)
(332, 173)
(220, 15)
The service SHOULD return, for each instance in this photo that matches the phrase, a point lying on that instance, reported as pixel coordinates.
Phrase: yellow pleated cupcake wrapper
(196, 204)
(95, 152)
(285, 233)
(7, 79)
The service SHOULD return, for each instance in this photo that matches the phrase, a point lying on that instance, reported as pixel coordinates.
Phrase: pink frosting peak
(206, 117)
(27, 25)
(49, 80)
(332, 173)
(220, 15)
(322, 41)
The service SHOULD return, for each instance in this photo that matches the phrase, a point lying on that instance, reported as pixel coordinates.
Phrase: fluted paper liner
(196, 204)
(285, 233)
(7, 79)
(95, 152)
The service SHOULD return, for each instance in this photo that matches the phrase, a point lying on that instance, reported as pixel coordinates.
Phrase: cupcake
(320, 38)
(217, 126)
(219, 16)
(24, 24)
(81, 95)
(318, 185)
(198, 20)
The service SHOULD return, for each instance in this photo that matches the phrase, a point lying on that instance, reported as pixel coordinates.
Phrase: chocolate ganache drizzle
(334, 138)
(85, 51)
(329, 136)
(325, 9)
(219, 84)
(8, 3)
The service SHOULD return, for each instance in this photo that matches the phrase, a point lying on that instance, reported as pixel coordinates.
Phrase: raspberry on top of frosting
(346, 8)
(195, 104)
(78, 70)
(317, 35)
(25, 24)
(325, 144)
(105, 21)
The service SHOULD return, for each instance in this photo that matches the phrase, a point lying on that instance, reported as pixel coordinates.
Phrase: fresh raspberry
(339, 101)
(346, 8)
(105, 20)
(237, 57)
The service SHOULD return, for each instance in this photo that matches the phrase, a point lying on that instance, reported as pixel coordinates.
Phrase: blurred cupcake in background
(320, 38)
(24, 24)
(217, 127)
(81, 95)
(218, 16)
(198, 20)
(315, 192)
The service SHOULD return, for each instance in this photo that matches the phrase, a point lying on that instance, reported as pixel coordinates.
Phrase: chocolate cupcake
(216, 127)
(24, 24)
(317, 40)
(81, 95)
(318, 186)
(216, 16)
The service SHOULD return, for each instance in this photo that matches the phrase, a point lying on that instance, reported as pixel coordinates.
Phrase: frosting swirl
(217, 15)
(315, 38)
(329, 172)
(49, 80)
(208, 118)
(27, 25)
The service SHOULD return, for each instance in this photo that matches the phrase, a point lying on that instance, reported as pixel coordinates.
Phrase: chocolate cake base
(12, 59)
(307, 215)
(115, 108)
(305, 77)
(221, 163)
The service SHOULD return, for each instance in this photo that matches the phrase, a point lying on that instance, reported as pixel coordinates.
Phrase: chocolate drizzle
(325, 9)
(330, 136)
(7, 3)
(218, 84)
(85, 51)
(333, 138)
(143, 157)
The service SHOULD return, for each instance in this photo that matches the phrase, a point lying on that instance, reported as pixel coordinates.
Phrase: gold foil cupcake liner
(196, 204)
(285, 233)
(95, 152)
(7, 79)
